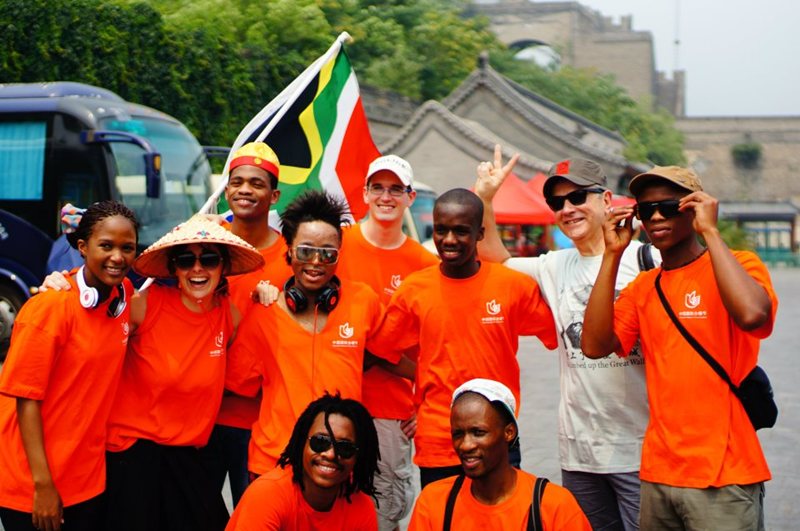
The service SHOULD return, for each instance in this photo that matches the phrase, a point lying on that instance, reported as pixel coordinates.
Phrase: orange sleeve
(536, 316)
(399, 329)
(39, 331)
(244, 370)
(756, 269)
(626, 315)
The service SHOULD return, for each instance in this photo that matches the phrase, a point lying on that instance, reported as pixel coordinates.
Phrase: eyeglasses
(322, 443)
(575, 197)
(306, 253)
(208, 260)
(667, 209)
(395, 190)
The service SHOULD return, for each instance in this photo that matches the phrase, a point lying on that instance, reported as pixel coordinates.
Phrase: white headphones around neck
(89, 296)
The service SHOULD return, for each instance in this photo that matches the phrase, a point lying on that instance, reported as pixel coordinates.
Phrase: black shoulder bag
(534, 515)
(755, 391)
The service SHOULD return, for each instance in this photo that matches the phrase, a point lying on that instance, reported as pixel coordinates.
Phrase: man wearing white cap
(490, 493)
(378, 253)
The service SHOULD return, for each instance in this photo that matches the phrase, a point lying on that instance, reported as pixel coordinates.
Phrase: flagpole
(290, 94)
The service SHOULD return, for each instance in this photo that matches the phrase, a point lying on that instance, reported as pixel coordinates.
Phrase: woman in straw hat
(59, 379)
(172, 381)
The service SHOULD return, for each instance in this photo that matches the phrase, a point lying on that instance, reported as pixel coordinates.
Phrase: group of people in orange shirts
(284, 361)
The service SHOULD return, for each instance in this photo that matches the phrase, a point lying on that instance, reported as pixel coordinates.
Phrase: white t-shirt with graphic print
(603, 409)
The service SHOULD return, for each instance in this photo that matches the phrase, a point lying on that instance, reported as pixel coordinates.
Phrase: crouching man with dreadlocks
(324, 476)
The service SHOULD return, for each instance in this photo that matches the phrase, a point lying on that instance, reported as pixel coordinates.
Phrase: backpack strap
(451, 502)
(644, 255)
(535, 514)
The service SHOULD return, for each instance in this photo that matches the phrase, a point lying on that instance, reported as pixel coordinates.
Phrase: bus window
(185, 174)
(22, 147)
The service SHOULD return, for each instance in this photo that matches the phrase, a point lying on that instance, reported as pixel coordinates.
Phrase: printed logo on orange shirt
(692, 300)
(493, 308)
(394, 283)
(345, 332)
(219, 340)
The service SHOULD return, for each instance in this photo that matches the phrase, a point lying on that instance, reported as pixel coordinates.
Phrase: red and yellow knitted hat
(256, 154)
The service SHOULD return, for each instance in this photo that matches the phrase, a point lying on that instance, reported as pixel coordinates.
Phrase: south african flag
(319, 131)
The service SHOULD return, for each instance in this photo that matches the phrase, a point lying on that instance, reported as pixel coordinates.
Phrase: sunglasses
(575, 197)
(667, 209)
(208, 260)
(322, 443)
(395, 190)
(325, 255)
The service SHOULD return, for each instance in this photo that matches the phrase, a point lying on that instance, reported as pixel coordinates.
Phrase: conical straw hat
(199, 229)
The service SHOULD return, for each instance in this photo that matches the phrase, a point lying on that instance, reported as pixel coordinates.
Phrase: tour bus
(68, 142)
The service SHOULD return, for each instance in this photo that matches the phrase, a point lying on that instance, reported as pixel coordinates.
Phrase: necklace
(688, 261)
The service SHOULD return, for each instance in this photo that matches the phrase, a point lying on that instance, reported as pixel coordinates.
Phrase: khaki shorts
(396, 494)
(733, 507)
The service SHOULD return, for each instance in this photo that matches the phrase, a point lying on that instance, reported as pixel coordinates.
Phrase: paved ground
(540, 399)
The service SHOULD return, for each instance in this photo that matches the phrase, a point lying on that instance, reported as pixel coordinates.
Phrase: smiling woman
(66, 353)
(175, 363)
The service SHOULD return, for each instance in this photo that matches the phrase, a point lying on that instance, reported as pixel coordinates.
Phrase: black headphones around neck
(327, 298)
(90, 297)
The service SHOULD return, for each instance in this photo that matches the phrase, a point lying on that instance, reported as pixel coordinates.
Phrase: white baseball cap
(493, 392)
(397, 165)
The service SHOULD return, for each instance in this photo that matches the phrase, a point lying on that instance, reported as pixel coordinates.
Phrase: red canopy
(516, 203)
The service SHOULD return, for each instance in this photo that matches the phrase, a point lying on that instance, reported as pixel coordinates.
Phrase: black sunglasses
(667, 209)
(208, 260)
(322, 443)
(576, 197)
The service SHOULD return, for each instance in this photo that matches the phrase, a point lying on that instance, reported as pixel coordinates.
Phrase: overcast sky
(742, 57)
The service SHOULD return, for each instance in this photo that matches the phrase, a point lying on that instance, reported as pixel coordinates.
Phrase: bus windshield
(185, 174)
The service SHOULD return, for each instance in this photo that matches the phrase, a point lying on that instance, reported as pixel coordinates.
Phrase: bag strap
(692, 341)
(451, 502)
(535, 514)
(644, 255)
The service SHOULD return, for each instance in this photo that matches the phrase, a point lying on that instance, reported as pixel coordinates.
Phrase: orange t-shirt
(559, 510)
(174, 373)
(466, 328)
(293, 366)
(275, 502)
(699, 434)
(239, 411)
(386, 396)
(70, 359)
